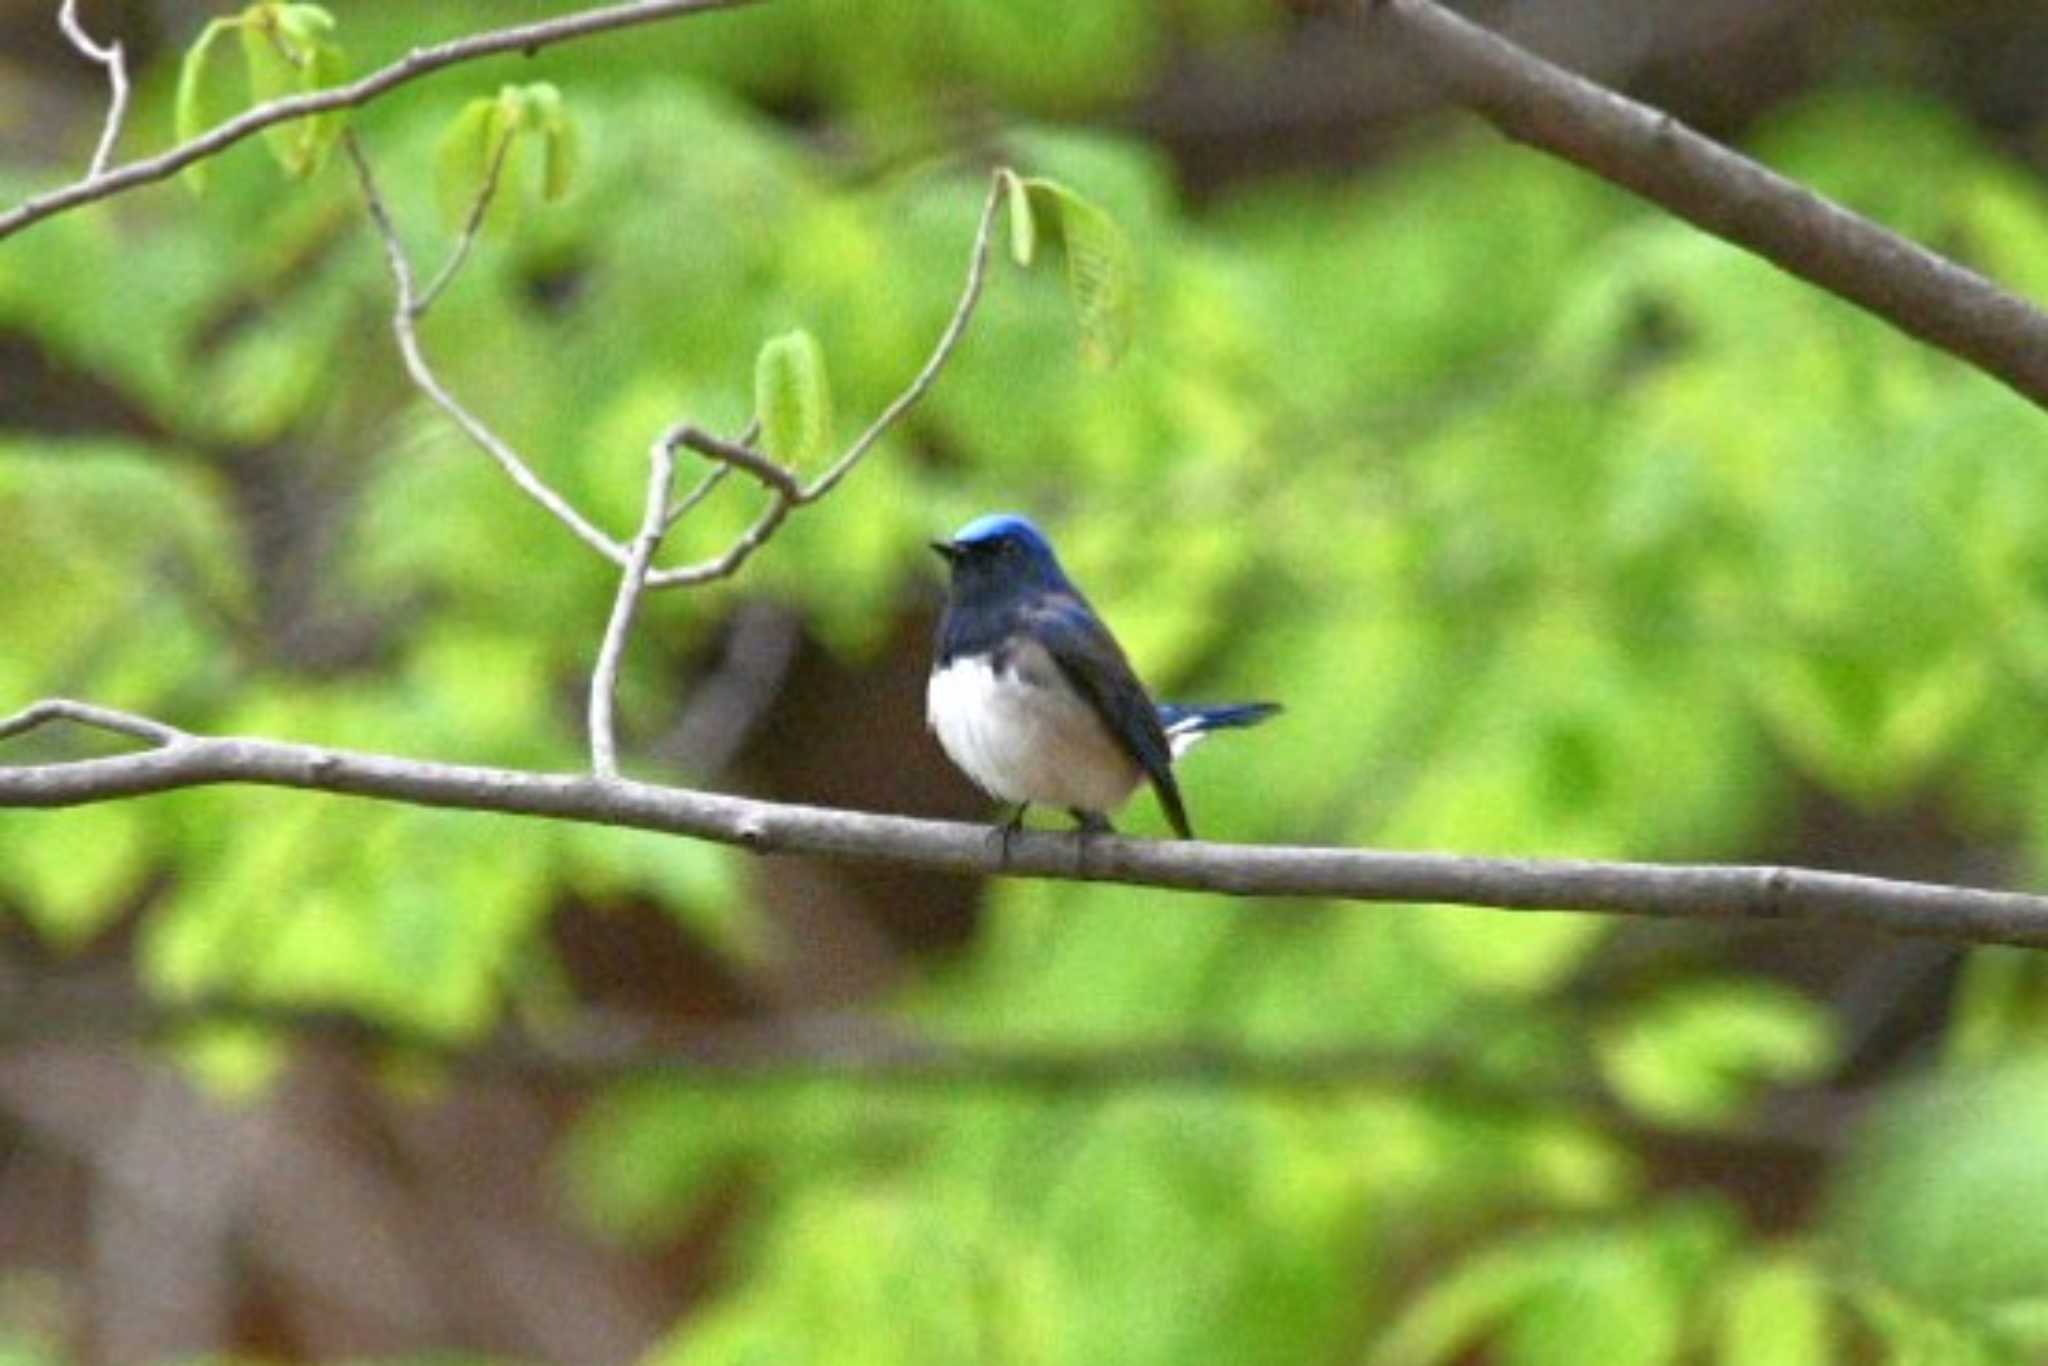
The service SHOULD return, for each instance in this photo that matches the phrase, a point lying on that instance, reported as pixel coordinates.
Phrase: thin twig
(697, 494)
(661, 463)
(786, 495)
(524, 38)
(742, 456)
(1727, 893)
(86, 714)
(115, 61)
(404, 318)
(472, 226)
(727, 561)
(712, 479)
(1650, 153)
(956, 327)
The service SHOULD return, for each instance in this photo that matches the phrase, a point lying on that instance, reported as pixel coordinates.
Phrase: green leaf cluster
(287, 49)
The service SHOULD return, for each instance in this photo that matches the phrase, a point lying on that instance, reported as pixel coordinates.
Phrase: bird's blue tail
(1185, 725)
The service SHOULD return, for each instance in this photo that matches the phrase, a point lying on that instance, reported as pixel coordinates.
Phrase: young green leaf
(190, 109)
(1101, 272)
(271, 62)
(287, 52)
(322, 131)
(561, 145)
(463, 158)
(303, 27)
(792, 398)
(1023, 230)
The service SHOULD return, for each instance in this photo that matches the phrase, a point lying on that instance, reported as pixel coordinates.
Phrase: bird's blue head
(997, 553)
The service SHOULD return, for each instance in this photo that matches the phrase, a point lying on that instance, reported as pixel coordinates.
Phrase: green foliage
(286, 50)
(1696, 1051)
(1612, 1294)
(1102, 269)
(1943, 1199)
(191, 113)
(476, 156)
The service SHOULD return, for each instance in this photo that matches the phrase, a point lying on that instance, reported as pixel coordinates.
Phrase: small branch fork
(110, 56)
(786, 489)
(1726, 893)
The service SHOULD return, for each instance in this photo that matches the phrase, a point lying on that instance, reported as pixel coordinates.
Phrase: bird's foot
(1003, 830)
(1088, 823)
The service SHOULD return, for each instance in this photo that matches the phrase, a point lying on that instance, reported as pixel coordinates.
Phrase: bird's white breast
(1025, 735)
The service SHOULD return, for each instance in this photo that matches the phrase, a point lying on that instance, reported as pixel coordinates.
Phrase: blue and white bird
(1031, 695)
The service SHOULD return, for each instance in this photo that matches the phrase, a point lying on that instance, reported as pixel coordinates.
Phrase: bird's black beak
(946, 551)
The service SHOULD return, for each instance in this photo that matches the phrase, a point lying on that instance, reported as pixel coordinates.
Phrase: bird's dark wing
(1092, 661)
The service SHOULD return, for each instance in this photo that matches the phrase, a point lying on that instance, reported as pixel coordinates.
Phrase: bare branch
(702, 490)
(956, 327)
(1648, 152)
(86, 714)
(733, 556)
(785, 494)
(1686, 891)
(654, 523)
(740, 455)
(115, 61)
(472, 226)
(404, 324)
(524, 38)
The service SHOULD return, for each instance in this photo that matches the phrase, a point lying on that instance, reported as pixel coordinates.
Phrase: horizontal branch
(1684, 891)
(524, 38)
(1650, 153)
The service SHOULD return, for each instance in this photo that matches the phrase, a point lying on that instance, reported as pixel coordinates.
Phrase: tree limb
(1647, 151)
(524, 38)
(405, 316)
(1682, 891)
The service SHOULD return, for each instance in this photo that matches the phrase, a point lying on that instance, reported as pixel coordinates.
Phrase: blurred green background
(1559, 528)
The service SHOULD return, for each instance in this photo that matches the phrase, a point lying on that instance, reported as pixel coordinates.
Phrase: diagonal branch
(110, 56)
(472, 228)
(654, 524)
(956, 327)
(405, 326)
(785, 493)
(1683, 891)
(96, 718)
(523, 38)
(1727, 194)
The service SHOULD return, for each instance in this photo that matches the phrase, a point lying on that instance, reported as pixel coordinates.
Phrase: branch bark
(1648, 152)
(1683, 891)
(110, 56)
(523, 38)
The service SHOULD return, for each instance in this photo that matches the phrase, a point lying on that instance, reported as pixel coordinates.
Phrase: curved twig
(110, 56)
(405, 326)
(1650, 153)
